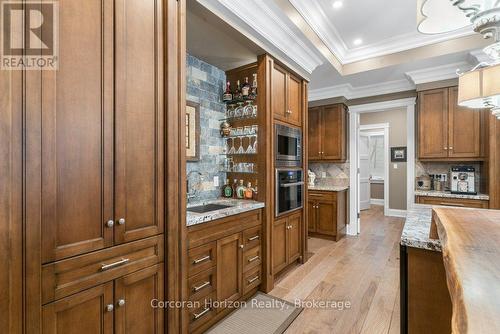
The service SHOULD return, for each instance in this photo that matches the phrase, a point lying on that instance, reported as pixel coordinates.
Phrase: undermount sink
(208, 208)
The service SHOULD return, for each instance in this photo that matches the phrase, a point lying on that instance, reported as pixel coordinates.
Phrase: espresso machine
(463, 180)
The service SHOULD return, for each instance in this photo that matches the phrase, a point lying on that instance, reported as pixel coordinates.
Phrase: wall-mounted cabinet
(286, 96)
(328, 133)
(447, 131)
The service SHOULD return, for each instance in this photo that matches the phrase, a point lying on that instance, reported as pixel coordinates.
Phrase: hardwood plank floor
(362, 270)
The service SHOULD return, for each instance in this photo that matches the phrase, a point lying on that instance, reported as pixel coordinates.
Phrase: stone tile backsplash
(337, 174)
(205, 84)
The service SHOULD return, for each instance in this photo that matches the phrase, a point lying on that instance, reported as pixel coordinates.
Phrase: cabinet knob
(110, 223)
(450, 148)
(241, 246)
(121, 221)
(121, 302)
(445, 148)
(109, 308)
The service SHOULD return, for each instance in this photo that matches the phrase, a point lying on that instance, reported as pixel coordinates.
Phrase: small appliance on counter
(311, 178)
(423, 182)
(463, 180)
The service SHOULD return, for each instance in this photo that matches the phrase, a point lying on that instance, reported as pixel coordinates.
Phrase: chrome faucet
(192, 194)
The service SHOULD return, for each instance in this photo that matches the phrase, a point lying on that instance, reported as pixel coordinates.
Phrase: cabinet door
(139, 119)
(137, 291)
(81, 313)
(433, 124)
(314, 133)
(229, 267)
(464, 134)
(279, 92)
(75, 106)
(294, 100)
(327, 218)
(333, 133)
(294, 229)
(280, 254)
(311, 216)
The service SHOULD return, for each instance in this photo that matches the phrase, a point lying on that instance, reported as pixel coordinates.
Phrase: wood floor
(363, 270)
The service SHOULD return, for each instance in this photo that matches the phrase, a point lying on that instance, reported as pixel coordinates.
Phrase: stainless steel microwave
(288, 146)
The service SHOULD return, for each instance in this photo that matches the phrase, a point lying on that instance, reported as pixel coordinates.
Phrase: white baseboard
(395, 213)
(376, 201)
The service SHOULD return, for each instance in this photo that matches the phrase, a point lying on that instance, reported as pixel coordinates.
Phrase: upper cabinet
(327, 133)
(286, 96)
(447, 131)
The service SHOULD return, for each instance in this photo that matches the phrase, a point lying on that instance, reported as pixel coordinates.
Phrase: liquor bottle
(227, 96)
(249, 191)
(245, 89)
(253, 90)
(240, 190)
(235, 186)
(255, 191)
(227, 190)
(237, 94)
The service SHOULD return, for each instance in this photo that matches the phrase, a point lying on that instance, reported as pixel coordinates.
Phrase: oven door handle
(288, 185)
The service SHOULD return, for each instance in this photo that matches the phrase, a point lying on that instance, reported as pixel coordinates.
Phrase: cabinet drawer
(322, 195)
(66, 277)
(202, 258)
(202, 284)
(251, 258)
(202, 312)
(252, 237)
(251, 279)
(459, 202)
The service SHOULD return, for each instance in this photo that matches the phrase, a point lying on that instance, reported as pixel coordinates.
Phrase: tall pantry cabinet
(94, 173)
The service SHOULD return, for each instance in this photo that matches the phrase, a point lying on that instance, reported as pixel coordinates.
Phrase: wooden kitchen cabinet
(327, 133)
(229, 267)
(286, 95)
(328, 218)
(447, 131)
(458, 202)
(286, 241)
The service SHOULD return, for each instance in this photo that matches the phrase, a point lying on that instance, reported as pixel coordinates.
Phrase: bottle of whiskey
(253, 89)
(245, 89)
(237, 94)
(227, 96)
(234, 187)
(227, 190)
(255, 191)
(240, 190)
(249, 191)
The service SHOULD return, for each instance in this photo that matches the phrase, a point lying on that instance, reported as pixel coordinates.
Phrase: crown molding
(385, 105)
(437, 73)
(350, 92)
(259, 22)
(314, 15)
(478, 56)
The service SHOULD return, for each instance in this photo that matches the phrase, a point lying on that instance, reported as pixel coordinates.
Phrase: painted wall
(397, 137)
(205, 86)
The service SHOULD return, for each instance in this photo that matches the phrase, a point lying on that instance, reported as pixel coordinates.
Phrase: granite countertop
(416, 230)
(447, 194)
(325, 187)
(237, 206)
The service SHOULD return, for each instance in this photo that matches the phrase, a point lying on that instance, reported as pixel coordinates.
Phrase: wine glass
(240, 149)
(232, 150)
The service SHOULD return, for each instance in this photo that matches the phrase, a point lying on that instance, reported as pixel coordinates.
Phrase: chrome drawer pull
(253, 258)
(201, 259)
(114, 264)
(199, 287)
(251, 280)
(253, 238)
(201, 314)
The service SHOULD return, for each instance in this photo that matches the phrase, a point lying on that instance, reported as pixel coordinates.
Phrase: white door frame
(385, 132)
(354, 112)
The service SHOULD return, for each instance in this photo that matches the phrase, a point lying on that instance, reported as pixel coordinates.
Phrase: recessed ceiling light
(358, 41)
(337, 4)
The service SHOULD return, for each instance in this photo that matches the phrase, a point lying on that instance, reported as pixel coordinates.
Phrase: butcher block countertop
(470, 241)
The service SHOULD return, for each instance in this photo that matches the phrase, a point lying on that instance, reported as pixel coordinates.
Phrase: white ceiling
(385, 26)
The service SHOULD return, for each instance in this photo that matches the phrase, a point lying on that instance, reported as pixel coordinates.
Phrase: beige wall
(397, 137)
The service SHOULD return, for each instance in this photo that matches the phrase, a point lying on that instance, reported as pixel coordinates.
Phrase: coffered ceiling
(358, 48)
